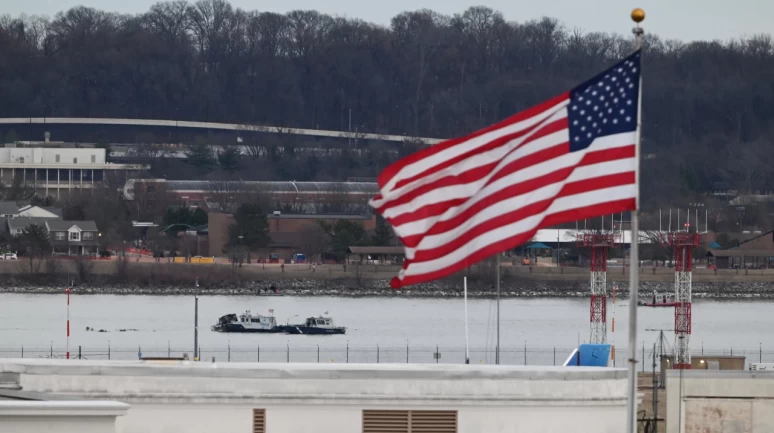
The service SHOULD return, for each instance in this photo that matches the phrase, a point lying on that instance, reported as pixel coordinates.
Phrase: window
(75, 160)
(93, 158)
(88, 236)
(57, 158)
(409, 421)
(60, 236)
(75, 236)
(259, 420)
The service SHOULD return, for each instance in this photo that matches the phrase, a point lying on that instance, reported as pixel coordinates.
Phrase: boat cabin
(257, 319)
(320, 322)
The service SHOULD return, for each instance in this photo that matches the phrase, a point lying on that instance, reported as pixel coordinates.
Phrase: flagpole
(465, 290)
(637, 16)
(497, 277)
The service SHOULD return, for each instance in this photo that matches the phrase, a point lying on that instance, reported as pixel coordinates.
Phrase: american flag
(568, 158)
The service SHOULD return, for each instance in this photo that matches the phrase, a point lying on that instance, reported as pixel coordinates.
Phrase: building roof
(8, 208)
(24, 222)
(397, 251)
(41, 212)
(62, 226)
(202, 186)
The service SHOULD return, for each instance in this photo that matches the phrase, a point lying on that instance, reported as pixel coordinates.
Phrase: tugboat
(247, 322)
(315, 326)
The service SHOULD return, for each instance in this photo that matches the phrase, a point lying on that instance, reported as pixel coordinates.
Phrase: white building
(56, 171)
(182, 396)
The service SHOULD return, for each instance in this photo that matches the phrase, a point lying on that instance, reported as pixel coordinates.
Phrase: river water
(540, 331)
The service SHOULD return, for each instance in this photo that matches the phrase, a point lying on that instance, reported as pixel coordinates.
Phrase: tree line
(708, 106)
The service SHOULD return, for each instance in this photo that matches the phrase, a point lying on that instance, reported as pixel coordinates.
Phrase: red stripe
(527, 211)
(515, 241)
(393, 169)
(471, 175)
(595, 157)
(539, 129)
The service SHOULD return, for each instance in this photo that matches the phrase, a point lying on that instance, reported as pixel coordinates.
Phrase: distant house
(73, 237)
(16, 226)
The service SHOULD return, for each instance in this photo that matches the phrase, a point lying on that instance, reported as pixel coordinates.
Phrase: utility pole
(196, 322)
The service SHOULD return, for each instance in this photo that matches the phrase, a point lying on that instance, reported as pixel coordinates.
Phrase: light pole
(241, 252)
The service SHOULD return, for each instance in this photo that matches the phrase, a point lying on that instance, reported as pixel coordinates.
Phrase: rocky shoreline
(380, 288)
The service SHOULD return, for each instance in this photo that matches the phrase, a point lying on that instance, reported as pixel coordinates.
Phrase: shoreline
(381, 289)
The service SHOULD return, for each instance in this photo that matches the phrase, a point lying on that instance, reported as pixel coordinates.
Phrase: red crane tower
(683, 244)
(599, 244)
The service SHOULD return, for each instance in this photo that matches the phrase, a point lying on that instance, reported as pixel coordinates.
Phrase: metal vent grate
(405, 421)
(259, 420)
(433, 421)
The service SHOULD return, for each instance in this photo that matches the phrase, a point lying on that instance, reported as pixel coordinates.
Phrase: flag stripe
(524, 225)
(514, 196)
(610, 148)
(503, 213)
(472, 176)
(427, 158)
(514, 240)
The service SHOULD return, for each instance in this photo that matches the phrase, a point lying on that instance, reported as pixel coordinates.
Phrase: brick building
(290, 233)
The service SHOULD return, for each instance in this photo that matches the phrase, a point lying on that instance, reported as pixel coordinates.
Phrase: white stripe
(515, 203)
(467, 190)
(528, 173)
(591, 198)
(420, 166)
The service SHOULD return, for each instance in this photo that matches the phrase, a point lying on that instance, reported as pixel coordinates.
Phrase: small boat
(315, 326)
(659, 301)
(247, 322)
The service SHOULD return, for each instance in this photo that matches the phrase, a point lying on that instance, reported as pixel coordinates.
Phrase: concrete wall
(720, 401)
(18, 416)
(315, 398)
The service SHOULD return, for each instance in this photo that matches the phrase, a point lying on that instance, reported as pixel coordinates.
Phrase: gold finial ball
(638, 15)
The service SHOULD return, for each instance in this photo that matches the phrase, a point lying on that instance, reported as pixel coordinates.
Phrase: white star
(586, 91)
(582, 112)
(627, 79)
(588, 135)
(574, 107)
(614, 78)
(599, 131)
(589, 118)
(615, 100)
(607, 88)
(631, 86)
(600, 84)
(601, 98)
(604, 120)
(634, 69)
(577, 138)
(609, 110)
(583, 128)
(620, 69)
(615, 120)
(628, 119)
(593, 93)
(622, 111)
(575, 122)
(629, 102)
(594, 124)
(596, 108)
